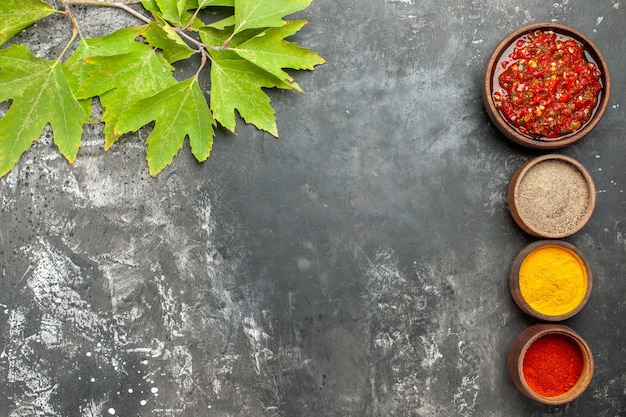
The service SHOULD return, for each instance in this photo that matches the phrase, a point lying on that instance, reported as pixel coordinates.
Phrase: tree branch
(124, 6)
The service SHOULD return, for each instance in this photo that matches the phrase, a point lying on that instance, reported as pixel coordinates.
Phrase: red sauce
(545, 86)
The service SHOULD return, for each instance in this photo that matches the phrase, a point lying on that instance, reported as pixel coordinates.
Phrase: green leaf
(250, 14)
(130, 72)
(181, 6)
(16, 15)
(121, 79)
(118, 69)
(196, 5)
(223, 23)
(122, 41)
(178, 111)
(172, 10)
(271, 52)
(41, 95)
(215, 36)
(201, 4)
(151, 6)
(237, 84)
(163, 36)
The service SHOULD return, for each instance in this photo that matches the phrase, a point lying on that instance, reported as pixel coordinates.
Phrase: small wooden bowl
(525, 305)
(520, 346)
(511, 132)
(551, 196)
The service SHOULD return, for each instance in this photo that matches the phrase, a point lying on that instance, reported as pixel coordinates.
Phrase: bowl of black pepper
(546, 86)
(551, 196)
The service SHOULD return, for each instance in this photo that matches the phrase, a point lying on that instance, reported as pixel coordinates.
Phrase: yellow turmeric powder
(553, 280)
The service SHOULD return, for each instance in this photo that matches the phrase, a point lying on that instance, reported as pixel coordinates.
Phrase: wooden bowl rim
(514, 279)
(511, 132)
(513, 195)
(535, 332)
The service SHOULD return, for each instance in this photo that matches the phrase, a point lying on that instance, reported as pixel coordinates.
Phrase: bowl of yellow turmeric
(550, 280)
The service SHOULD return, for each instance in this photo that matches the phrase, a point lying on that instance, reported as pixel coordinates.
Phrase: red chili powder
(552, 365)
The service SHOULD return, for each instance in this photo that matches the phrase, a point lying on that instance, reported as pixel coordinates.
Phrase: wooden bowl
(551, 196)
(549, 304)
(498, 55)
(520, 347)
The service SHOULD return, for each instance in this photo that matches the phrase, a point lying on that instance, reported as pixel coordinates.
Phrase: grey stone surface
(357, 266)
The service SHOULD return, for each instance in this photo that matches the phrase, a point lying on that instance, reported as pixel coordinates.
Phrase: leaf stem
(205, 58)
(124, 6)
(75, 28)
(192, 20)
(201, 46)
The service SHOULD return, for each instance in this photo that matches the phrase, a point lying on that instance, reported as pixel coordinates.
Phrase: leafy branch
(131, 71)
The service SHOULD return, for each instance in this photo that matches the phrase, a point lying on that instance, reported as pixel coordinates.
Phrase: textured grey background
(357, 266)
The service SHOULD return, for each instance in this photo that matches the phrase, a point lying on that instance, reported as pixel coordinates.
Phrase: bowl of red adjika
(550, 363)
(551, 196)
(546, 86)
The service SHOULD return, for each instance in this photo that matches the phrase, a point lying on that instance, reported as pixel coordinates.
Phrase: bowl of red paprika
(546, 86)
(550, 363)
